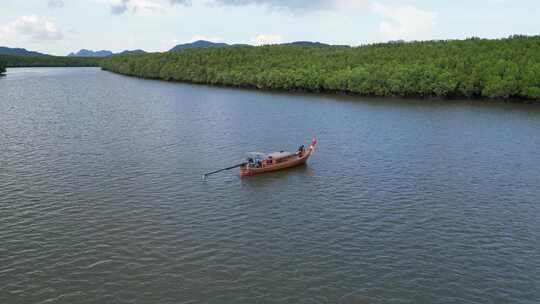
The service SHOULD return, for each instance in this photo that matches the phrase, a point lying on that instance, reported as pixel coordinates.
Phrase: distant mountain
(209, 44)
(89, 53)
(128, 52)
(316, 44)
(308, 43)
(81, 53)
(103, 53)
(19, 52)
(200, 44)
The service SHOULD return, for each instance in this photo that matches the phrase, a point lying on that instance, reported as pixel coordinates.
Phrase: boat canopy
(274, 155)
(280, 155)
(256, 155)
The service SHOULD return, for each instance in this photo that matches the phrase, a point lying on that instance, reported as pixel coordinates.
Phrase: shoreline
(506, 69)
(337, 92)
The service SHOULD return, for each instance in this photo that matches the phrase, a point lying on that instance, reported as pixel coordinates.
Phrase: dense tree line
(47, 61)
(2, 68)
(475, 68)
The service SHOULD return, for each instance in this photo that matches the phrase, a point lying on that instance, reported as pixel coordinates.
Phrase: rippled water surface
(101, 197)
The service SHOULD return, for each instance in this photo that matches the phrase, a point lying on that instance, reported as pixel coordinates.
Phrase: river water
(404, 201)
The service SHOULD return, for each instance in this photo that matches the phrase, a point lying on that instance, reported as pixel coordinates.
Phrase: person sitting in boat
(301, 150)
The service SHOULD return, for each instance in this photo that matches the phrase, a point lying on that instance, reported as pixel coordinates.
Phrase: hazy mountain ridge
(103, 53)
(90, 53)
(129, 52)
(315, 44)
(107, 53)
(19, 52)
(198, 45)
(209, 44)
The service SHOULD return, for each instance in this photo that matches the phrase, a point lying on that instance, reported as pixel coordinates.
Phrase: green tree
(474, 68)
(48, 61)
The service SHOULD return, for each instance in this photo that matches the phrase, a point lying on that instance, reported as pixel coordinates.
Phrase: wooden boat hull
(294, 162)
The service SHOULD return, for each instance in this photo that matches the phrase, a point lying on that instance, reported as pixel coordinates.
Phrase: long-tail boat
(258, 162)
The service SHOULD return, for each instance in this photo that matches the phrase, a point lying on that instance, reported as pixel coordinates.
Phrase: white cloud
(30, 29)
(405, 22)
(182, 2)
(263, 39)
(142, 7)
(351, 4)
(119, 7)
(55, 3)
(207, 38)
(296, 6)
(282, 4)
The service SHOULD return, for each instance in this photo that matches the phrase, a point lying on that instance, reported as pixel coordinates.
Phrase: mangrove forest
(472, 68)
(47, 61)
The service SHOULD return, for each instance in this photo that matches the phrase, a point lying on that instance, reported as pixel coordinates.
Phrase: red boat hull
(294, 161)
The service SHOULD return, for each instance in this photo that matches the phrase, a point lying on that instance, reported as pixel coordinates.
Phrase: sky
(62, 26)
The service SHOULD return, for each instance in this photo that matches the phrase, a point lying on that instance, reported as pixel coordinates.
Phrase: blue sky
(62, 26)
